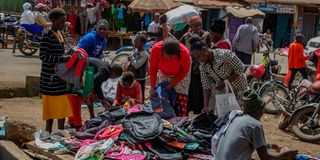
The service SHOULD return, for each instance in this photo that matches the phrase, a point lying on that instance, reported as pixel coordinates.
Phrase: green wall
(12, 5)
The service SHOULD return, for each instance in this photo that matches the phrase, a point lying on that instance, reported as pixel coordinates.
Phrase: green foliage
(12, 5)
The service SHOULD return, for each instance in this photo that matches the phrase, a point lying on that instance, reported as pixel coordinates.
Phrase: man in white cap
(154, 25)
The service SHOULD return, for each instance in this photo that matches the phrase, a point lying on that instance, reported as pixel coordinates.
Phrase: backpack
(72, 71)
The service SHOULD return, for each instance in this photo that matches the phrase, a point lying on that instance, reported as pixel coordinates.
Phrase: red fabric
(287, 77)
(182, 102)
(223, 44)
(75, 102)
(177, 66)
(79, 57)
(296, 57)
(72, 18)
(133, 92)
(318, 67)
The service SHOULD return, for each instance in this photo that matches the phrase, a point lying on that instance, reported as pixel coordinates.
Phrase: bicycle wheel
(69, 43)
(121, 59)
(271, 93)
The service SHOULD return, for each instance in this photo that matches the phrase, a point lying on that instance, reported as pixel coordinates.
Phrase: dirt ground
(28, 110)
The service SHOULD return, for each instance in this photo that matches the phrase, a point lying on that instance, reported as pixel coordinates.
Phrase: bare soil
(28, 110)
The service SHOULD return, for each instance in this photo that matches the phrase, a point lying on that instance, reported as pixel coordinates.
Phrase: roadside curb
(10, 151)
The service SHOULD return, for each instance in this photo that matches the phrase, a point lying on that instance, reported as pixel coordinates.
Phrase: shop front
(309, 17)
(279, 20)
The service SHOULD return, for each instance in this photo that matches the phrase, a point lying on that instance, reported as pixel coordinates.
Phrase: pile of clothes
(135, 132)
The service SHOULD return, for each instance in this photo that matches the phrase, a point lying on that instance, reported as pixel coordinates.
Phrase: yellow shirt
(40, 20)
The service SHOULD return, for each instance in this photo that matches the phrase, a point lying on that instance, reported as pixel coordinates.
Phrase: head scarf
(252, 101)
(218, 26)
(26, 6)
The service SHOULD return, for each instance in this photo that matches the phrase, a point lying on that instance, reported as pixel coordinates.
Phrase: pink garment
(87, 142)
(134, 109)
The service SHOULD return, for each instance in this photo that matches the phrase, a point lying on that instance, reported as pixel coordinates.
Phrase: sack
(226, 102)
(72, 71)
(162, 107)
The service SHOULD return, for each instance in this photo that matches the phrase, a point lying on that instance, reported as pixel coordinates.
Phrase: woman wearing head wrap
(27, 20)
(195, 103)
(217, 30)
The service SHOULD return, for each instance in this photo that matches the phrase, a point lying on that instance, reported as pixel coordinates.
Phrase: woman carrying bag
(220, 69)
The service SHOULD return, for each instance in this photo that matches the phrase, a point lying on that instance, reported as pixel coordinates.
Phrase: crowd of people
(195, 67)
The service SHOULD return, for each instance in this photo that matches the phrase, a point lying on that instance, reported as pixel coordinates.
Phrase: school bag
(76, 73)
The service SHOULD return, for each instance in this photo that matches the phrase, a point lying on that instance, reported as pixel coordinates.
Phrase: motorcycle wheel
(267, 95)
(300, 128)
(26, 50)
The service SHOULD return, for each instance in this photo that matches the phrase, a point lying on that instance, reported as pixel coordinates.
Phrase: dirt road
(15, 67)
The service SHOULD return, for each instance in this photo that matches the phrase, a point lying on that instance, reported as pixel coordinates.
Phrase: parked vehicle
(29, 44)
(312, 45)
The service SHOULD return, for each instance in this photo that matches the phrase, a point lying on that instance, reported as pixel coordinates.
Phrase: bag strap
(228, 86)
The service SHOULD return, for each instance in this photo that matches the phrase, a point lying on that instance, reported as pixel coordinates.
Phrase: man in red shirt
(297, 59)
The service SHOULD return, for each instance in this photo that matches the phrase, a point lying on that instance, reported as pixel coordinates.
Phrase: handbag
(226, 102)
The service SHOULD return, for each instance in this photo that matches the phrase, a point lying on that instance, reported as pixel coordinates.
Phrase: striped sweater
(51, 52)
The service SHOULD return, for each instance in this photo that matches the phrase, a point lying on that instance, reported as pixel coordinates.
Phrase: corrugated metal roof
(184, 1)
(310, 2)
(241, 12)
(218, 3)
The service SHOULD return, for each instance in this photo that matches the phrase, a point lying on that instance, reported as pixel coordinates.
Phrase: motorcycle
(29, 44)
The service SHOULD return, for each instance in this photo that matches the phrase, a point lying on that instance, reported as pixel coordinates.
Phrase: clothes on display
(120, 13)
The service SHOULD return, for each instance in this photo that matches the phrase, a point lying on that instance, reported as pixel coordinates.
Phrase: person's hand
(106, 105)
(205, 110)
(169, 87)
(289, 153)
(152, 93)
(220, 86)
(276, 148)
(65, 58)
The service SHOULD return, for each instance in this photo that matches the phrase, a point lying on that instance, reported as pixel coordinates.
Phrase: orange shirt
(296, 57)
(177, 67)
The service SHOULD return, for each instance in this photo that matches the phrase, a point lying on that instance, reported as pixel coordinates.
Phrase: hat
(26, 6)
(218, 26)
(40, 5)
(252, 101)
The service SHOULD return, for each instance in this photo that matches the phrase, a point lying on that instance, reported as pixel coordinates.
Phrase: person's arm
(255, 40)
(44, 52)
(236, 37)
(185, 61)
(206, 85)
(118, 98)
(85, 42)
(302, 56)
(208, 41)
(154, 61)
(138, 92)
(236, 65)
(141, 61)
(42, 21)
(286, 154)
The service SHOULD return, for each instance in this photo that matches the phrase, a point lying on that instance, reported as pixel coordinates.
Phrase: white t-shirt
(27, 17)
(109, 88)
(153, 27)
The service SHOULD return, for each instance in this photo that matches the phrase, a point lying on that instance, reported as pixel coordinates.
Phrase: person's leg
(142, 83)
(239, 55)
(247, 58)
(76, 102)
(303, 72)
(49, 124)
(292, 77)
(61, 124)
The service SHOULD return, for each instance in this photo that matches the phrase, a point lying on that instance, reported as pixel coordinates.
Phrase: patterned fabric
(182, 87)
(224, 65)
(182, 102)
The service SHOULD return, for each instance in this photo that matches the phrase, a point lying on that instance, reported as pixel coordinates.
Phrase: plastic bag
(226, 102)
